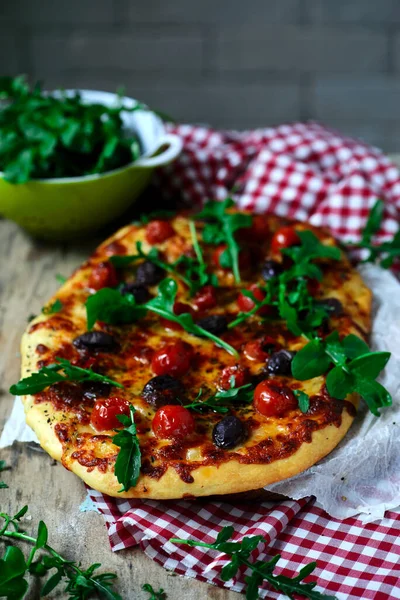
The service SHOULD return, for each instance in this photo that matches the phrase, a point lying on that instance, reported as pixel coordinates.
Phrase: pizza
(163, 367)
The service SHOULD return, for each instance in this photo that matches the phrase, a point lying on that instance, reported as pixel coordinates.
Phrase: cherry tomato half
(105, 411)
(273, 400)
(244, 258)
(284, 238)
(246, 304)
(179, 309)
(103, 275)
(205, 298)
(159, 231)
(173, 421)
(240, 375)
(173, 359)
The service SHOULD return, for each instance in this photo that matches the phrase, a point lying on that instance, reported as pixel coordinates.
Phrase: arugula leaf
(3, 467)
(303, 400)
(260, 570)
(385, 253)
(222, 228)
(127, 466)
(53, 308)
(310, 248)
(355, 370)
(47, 136)
(160, 595)
(240, 395)
(12, 570)
(46, 376)
(60, 278)
(110, 306)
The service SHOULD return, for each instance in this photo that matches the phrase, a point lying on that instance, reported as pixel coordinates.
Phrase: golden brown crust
(195, 470)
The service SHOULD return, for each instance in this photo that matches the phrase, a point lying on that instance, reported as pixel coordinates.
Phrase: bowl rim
(95, 176)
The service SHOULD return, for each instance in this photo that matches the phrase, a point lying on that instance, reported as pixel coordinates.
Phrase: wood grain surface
(27, 279)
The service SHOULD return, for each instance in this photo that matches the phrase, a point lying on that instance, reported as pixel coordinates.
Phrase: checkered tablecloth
(306, 172)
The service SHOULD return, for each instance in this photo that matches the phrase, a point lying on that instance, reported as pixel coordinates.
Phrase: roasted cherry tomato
(244, 258)
(255, 351)
(205, 298)
(313, 286)
(284, 238)
(272, 400)
(173, 359)
(240, 375)
(103, 275)
(179, 309)
(105, 411)
(258, 232)
(173, 421)
(158, 231)
(246, 304)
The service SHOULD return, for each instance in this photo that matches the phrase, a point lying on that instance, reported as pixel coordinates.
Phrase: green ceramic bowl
(58, 209)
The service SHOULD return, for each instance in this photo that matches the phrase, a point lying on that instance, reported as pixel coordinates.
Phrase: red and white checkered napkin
(307, 172)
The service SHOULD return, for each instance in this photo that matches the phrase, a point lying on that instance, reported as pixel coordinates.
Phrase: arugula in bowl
(57, 135)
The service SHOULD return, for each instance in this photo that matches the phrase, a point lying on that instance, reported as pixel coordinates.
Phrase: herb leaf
(240, 553)
(53, 308)
(127, 466)
(46, 376)
(240, 395)
(222, 228)
(303, 400)
(160, 595)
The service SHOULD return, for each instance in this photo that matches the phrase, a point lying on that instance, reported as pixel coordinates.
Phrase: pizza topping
(236, 374)
(129, 459)
(95, 341)
(138, 291)
(333, 306)
(271, 269)
(215, 324)
(220, 229)
(229, 432)
(272, 400)
(173, 422)
(159, 231)
(284, 238)
(247, 298)
(148, 273)
(105, 412)
(173, 359)
(206, 298)
(280, 362)
(162, 390)
(255, 350)
(103, 275)
(46, 376)
(96, 389)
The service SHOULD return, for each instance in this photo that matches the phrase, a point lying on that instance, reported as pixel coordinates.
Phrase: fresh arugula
(60, 278)
(49, 375)
(288, 291)
(110, 306)
(3, 467)
(53, 308)
(127, 466)
(193, 272)
(355, 368)
(303, 400)
(261, 571)
(240, 395)
(45, 136)
(387, 252)
(160, 595)
(78, 583)
(220, 228)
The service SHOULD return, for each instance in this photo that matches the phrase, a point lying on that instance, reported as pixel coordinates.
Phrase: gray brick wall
(225, 62)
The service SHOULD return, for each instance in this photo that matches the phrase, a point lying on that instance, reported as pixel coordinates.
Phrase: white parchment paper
(362, 475)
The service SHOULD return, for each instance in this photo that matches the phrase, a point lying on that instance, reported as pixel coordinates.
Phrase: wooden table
(27, 279)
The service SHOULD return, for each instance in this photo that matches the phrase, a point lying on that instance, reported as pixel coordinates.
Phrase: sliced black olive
(140, 292)
(271, 269)
(229, 432)
(162, 390)
(332, 305)
(149, 274)
(215, 324)
(95, 340)
(96, 389)
(280, 362)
